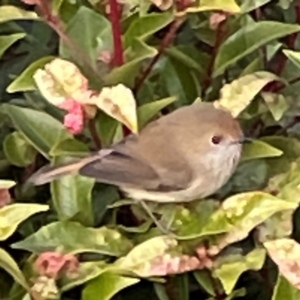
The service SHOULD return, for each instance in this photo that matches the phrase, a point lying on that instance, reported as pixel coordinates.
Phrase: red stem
(118, 57)
(114, 16)
(167, 40)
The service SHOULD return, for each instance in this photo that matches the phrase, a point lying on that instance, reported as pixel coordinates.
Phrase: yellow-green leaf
(74, 238)
(7, 40)
(10, 12)
(293, 56)
(25, 81)
(276, 103)
(10, 266)
(285, 290)
(6, 184)
(229, 268)
(258, 149)
(229, 6)
(238, 94)
(106, 286)
(244, 211)
(147, 111)
(12, 215)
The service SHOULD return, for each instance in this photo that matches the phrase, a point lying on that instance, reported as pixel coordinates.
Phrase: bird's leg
(153, 218)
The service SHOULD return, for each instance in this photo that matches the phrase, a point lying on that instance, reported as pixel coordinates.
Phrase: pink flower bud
(74, 119)
(4, 197)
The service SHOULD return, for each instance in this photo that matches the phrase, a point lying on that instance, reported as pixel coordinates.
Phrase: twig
(220, 35)
(55, 23)
(93, 131)
(280, 85)
(288, 126)
(167, 40)
(218, 294)
(258, 17)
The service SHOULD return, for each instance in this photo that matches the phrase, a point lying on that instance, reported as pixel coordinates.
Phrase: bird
(185, 155)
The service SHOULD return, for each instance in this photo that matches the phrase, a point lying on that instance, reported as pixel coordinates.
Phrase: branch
(55, 23)
(167, 40)
(221, 32)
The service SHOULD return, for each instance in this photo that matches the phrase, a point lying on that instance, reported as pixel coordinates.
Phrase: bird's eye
(216, 139)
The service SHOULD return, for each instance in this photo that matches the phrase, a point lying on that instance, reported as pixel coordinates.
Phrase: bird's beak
(245, 140)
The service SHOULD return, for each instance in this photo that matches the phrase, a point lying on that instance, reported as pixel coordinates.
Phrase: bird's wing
(151, 161)
(131, 163)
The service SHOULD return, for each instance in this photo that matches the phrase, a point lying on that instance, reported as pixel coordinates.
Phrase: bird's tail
(48, 173)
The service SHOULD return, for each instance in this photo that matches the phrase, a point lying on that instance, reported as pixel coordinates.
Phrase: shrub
(77, 76)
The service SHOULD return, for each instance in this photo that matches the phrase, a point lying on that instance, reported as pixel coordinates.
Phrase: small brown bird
(185, 155)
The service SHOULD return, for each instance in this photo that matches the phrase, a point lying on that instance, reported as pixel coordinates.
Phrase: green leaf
(293, 56)
(204, 279)
(91, 32)
(258, 149)
(179, 80)
(248, 39)
(285, 290)
(147, 111)
(11, 216)
(6, 184)
(276, 103)
(156, 256)
(160, 291)
(74, 238)
(69, 147)
(291, 151)
(143, 27)
(106, 286)
(206, 5)
(106, 128)
(7, 40)
(24, 82)
(71, 195)
(181, 286)
(250, 175)
(189, 56)
(10, 12)
(86, 272)
(235, 294)
(243, 212)
(126, 73)
(254, 66)
(238, 94)
(229, 268)
(10, 266)
(39, 129)
(190, 222)
(249, 5)
(285, 4)
(17, 150)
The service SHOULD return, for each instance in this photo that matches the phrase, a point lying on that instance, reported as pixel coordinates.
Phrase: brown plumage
(172, 159)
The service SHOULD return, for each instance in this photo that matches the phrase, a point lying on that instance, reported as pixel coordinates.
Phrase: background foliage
(74, 239)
